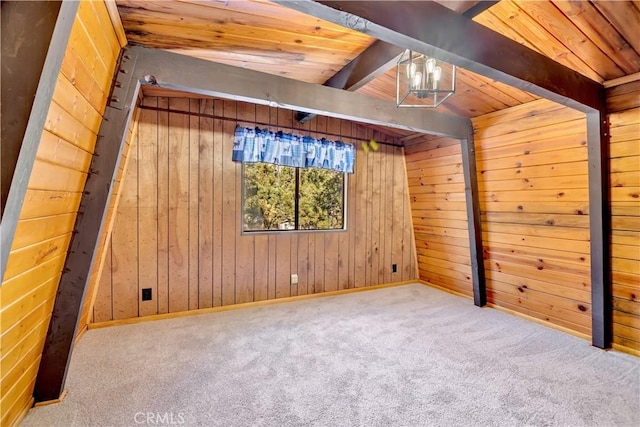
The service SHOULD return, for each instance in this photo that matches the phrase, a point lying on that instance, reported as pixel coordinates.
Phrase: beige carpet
(403, 356)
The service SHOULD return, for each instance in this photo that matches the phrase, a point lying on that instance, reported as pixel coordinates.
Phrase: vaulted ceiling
(599, 39)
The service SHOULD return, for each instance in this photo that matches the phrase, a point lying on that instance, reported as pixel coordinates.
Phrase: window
(280, 198)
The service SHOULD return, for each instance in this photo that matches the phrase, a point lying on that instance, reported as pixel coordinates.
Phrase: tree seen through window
(286, 198)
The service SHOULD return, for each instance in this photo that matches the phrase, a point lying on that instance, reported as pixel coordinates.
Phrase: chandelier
(422, 81)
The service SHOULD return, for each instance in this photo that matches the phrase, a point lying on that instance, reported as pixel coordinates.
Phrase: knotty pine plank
(206, 209)
(147, 202)
(73, 102)
(598, 29)
(229, 214)
(360, 226)
(64, 125)
(193, 204)
(349, 130)
(31, 231)
(124, 260)
(103, 305)
(163, 206)
(83, 79)
(179, 174)
(539, 171)
(24, 259)
(218, 201)
(61, 152)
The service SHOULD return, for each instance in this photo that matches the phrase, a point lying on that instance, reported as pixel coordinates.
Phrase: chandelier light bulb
(411, 69)
(417, 80)
(431, 65)
(437, 73)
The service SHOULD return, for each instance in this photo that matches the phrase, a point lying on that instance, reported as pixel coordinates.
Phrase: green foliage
(269, 198)
(269, 191)
(321, 199)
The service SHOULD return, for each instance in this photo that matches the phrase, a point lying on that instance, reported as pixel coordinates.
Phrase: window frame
(345, 178)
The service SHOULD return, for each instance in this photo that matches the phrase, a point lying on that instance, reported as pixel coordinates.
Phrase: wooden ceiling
(599, 39)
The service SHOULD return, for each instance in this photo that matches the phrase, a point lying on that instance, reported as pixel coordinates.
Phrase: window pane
(321, 199)
(268, 197)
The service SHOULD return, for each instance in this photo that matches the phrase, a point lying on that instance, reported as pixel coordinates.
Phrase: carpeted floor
(402, 356)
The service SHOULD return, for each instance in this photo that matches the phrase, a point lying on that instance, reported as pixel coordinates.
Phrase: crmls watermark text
(159, 418)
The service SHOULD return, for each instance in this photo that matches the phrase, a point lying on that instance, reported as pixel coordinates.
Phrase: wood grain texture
(439, 213)
(624, 121)
(264, 35)
(532, 175)
(48, 214)
(593, 38)
(235, 268)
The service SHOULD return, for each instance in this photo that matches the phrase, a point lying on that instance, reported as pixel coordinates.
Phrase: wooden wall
(623, 104)
(436, 187)
(47, 218)
(533, 191)
(533, 183)
(177, 229)
(105, 237)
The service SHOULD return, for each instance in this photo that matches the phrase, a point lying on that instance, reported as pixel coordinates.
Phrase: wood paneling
(48, 214)
(533, 192)
(592, 38)
(102, 250)
(597, 39)
(532, 175)
(436, 187)
(256, 34)
(624, 122)
(177, 230)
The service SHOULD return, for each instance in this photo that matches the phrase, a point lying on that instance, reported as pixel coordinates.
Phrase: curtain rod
(214, 116)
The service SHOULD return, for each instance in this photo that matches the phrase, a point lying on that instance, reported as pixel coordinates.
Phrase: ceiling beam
(376, 60)
(94, 205)
(478, 8)
(434, 30)
(195, 75)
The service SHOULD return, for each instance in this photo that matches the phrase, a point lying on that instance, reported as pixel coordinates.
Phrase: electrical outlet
(294, 279)
(394, 268)
(146, 294)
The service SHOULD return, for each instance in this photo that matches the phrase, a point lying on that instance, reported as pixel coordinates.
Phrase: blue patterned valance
(261, 145)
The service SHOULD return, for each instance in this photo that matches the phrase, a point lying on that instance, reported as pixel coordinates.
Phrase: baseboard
(516, 313)
(443, 289)
(82, 331)
(541, 322)
(178, 314)
(625, 349)
(23, 413)
(52, 401)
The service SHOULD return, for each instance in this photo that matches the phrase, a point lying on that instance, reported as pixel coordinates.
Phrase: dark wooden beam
(34, 40)
(599, 228)
(478, 8)
(473, 219)
(87, 230)
(194, 75)
(377, 59)
(432, 29)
